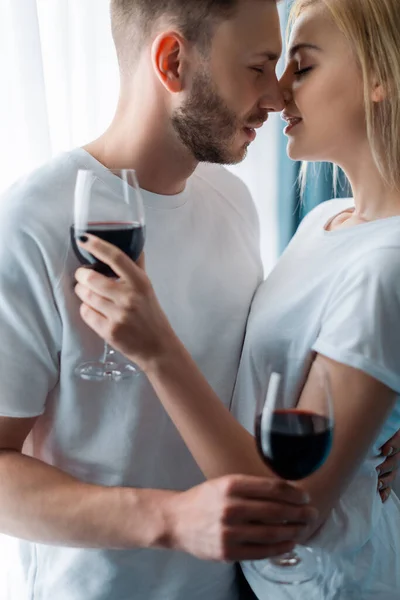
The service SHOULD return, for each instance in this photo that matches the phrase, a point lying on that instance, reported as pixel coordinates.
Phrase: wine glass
(113, 211)
(294, 440)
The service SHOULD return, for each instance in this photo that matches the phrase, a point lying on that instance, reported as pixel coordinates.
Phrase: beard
(207, 126)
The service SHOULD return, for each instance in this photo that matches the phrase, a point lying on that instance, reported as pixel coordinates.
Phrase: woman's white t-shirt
(336, 293)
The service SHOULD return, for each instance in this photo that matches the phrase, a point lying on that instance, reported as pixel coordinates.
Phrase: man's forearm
(45, 505)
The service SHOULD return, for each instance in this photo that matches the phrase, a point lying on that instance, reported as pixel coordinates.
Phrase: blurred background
(59, 90)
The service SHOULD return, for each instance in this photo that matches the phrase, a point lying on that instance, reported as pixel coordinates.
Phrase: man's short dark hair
(133, 21)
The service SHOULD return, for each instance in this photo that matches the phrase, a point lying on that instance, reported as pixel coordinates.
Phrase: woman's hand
(388, 470)
(124, 312)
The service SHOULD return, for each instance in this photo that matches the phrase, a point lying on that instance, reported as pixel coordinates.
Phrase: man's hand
(387, 471)
(239, 517)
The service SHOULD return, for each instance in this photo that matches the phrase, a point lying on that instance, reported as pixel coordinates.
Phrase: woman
(334, 297)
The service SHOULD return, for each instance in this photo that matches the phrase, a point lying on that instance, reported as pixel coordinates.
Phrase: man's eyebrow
(268, 55)
(294, 49)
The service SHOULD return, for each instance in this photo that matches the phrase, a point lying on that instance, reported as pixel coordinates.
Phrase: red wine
(294, 443)
(128, 237)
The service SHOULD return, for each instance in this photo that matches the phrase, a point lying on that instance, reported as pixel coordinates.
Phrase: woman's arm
(220, 445)
(361, 406)
(126, 313)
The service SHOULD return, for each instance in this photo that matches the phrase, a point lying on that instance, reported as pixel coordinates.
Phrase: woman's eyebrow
(294, 49)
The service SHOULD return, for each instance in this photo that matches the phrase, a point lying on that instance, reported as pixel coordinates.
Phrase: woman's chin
(294, 153)
(300, 153)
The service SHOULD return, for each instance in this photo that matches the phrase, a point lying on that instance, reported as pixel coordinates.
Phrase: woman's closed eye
(302, 72)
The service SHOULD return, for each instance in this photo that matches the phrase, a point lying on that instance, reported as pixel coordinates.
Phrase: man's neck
(161, 162)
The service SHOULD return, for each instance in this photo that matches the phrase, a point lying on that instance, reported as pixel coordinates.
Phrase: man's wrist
(152, 523)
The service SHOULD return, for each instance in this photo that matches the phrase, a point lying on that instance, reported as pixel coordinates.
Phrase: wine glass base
(109, 371)
(304, 565)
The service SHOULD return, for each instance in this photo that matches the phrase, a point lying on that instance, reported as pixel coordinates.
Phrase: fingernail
(391, 451)
(380, 486)
(306, 498)
(83, 239)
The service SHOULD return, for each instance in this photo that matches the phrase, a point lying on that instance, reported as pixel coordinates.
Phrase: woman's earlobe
(379, 93)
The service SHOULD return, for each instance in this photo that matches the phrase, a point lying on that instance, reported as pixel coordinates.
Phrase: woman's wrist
(168, 353)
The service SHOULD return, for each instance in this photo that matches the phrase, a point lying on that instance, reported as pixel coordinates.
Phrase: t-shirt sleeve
(30, 327)
(361, 322)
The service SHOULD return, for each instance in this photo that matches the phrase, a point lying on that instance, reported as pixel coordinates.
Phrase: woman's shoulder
(326, 211)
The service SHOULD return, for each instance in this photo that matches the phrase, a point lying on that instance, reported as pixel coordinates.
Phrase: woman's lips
(291, 123)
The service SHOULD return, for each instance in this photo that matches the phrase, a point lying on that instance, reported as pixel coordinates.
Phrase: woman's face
(323, 90)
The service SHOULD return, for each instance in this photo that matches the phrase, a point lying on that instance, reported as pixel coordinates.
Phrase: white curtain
(59, 87)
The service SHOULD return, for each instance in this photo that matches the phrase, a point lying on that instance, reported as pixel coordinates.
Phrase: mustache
(259, 118)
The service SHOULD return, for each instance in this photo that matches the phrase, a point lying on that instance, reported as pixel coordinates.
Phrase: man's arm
(213, 521)
(43, 504)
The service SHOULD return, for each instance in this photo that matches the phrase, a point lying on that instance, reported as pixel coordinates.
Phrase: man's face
(234, 89)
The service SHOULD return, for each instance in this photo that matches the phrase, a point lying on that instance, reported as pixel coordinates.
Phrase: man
(96, 483)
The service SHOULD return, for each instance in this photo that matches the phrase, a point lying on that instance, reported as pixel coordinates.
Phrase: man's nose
(273, 101)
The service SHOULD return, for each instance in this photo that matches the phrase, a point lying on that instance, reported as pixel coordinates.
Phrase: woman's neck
(373, 197)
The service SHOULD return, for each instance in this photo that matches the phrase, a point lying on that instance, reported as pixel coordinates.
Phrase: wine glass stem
(108, 354)
(290, 559)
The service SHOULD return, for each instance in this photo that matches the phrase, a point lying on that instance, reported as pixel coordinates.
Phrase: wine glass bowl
(114, 212)
(296, 444)
(294, 433)
(127, 236)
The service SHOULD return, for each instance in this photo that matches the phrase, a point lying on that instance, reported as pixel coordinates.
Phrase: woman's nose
(285, 85)
(287, 95)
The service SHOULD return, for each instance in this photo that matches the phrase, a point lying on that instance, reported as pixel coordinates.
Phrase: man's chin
(240, 155)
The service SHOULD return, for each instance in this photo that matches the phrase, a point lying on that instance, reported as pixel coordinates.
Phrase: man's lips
(251, 133)
(251, 130)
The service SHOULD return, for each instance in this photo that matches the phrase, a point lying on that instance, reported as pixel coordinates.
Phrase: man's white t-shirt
(336, 293)
(202, 255)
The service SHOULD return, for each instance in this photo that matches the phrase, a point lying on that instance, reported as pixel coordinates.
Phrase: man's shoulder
(44, 188)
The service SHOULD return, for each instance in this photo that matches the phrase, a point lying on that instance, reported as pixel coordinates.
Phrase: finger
(267, 534)
(244, 552)
(266, 488)
(392, 446)
(98, 283)
(94, 320)
(390, 464)
(385, 495)
(109, 254)
(269, 513)
(141, 262)
(95, 301)
(386, 480)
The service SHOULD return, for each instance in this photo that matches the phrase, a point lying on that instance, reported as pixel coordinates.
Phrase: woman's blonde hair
(373, 29)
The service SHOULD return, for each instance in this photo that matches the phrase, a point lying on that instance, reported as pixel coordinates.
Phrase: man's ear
(168, 57)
